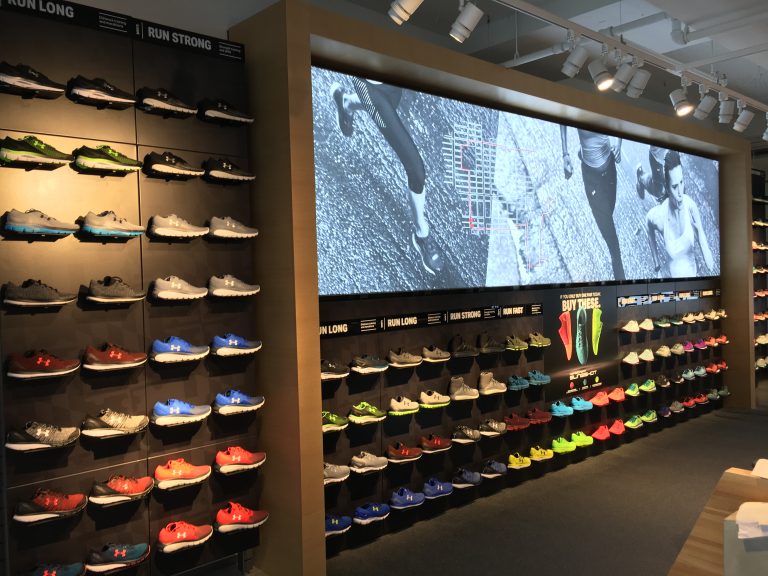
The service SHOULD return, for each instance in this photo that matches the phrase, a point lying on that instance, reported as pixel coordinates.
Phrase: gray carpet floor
(625, 512)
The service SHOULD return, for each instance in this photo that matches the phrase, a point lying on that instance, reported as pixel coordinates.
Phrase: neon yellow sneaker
(580, 439)
(538, 453)
(517, 461)
(562, 446)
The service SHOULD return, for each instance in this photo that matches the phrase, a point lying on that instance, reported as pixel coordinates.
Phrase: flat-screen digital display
(416, 192)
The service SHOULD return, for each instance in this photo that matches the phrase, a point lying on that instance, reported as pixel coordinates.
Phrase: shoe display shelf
(760, 274)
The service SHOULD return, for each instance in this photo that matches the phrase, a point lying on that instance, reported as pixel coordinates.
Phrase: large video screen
(416, 192)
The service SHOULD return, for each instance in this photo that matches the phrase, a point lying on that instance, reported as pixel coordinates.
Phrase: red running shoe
(178, 473)
(722, 365)
(111, 357)
(236, 459)
(617, 394)
(565, 334)
(235, 517)
(712, 368)
(617, 428)
(49, 505)
(39, 364)
(700, 399)
(431, 444)
(600, 398)
(722, 339)
(536, 416)
(119, 489)
(399, 453)
(689, 402)
(602, 433)
(516, 422)
(711, 342)
(180, 535)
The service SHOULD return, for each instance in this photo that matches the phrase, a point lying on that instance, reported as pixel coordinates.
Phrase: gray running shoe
(489, 385)
(434, 354)
(109, 424)
(174, 288)
(113, 289)
(460, 349)
(35, 293)
(488, 344)
(676, 407)
(367, 462)
(228, 286)
(465, 435)
(38, 436)
(492, 428)
(36, 222)
(458, 390)
(400, 359)
(227, 227)
(109, 224)
(174, 227)
(333, 473)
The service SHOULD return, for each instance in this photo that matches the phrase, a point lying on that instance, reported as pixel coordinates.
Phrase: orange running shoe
(178, 473)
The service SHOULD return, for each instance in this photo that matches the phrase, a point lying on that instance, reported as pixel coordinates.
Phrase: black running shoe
(222, 112)
(429, 252)
(98, 92)
(112, 289)
(34, 293)
(160, 101)
(104, 159)
(38, 436)
(225, 171)
(167, 165)
(25, 81)
(32, 150)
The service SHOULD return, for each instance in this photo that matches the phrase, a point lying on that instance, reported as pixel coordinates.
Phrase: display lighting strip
(662, 297)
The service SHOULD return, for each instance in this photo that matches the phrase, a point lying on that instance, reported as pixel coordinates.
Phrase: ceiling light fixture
(745, 117)
(401, 10)
(468, 18)
(575, 61)
(706, 103)
(600, 75)
(679, 99)
(638, 83)
(727, 109)
(624, 75)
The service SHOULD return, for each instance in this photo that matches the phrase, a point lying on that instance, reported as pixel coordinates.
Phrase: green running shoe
(562, 446)
(104, 158)
(333, 422)
(365, 413)
(723, 392)
(580, 439)
(632, 390)
(31, 150)
(649, 417)
(713, 395)
(597, 328)
(633, 423)
(648, 386)
(663, 322)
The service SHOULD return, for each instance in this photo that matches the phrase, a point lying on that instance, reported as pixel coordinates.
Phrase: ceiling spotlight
(575, 61)
(468, 18)
(745, 117)
(727, 109)
(401, 10)
(706, 103)
(623, 76)
(638, 83)
(680, 101)
(600, 75)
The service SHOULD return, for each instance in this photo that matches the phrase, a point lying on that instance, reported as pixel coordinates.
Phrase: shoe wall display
(127, 389)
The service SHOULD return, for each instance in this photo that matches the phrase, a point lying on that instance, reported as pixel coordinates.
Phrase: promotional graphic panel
(416, 192)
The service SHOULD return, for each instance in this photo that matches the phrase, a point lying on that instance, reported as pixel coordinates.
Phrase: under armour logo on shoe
(229, 282)
(180, 535)
(120, 553)
(237, 517)
(235, 401)
(175, 411)
(175, 348)
(236, 458)
(232, 342)
(113, 354)
(43, 361)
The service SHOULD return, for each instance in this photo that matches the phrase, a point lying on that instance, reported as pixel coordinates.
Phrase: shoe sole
(461, 398)
(29, 157)
(433, 406)
(160, 105)
(491, 475)
(180, 482)
(366, 419)
(406, 506)
(369, 369)
(112, 232)
(22, 229)
(229, 410)
(332, 376)
(337, 532)
(492, 392)
(173, 295)
(542, 459)
(176, 546)
(173, 357)
(491, 434)
(176, 233)
(118, 300)
(33, 375)
(402, 412)
(333, 428)
(31, 446)
(436, 360)
(518, 467)
(327, 481)
(113, 499)
(366, 469)
(365, 521)
(176, 420)
(216, 115)
(42, 517)
(230, 234)
(109, 432)
(463, 485)
(221, 175)
(37, 303)
(405, 364)
(23, 83)
(403, 460)
(230, 528)
(92, 94)
(98, 164)
(227, 469)
(434, 450)
(111, 367)
(463, 441)
(436, 496)
(227, 293)
(498, 350)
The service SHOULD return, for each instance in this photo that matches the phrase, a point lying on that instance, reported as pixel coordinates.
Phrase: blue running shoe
(580, 405)
(336, 524)
(517, 383)
(466, 478)
(561, 410)
(235, 402)
(404, 498)
(433, 488)
(537, 378)
(113, 557)
(174, 349)
(76, 569)
(370, 512)
(175, 412)
(493, 469)
(665, 412)
(231, 345)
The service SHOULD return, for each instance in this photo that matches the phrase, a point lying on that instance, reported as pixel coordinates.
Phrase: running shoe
(600, 399)
(333, 422)
(235, 402)
(689, 318)
(334, 473)
(35, 364)
(493, 469)
(676, 407)
(175, 412)
(161, 101)
(712, 314)
(178, 473)
(227, 286)
(515, 344)
(582, 342)
(460, 349)
(517, 383)
(433, 489)
(167, 165)
(332, 370)
(711, 342)
(116, 557)
(688, 374)
(700, 344)
(565, 334)
(597, 328)
(649, 416)
(402, 499)
(47, 505)
(110, 424)
(109, 357)
(24, 80)
(646, 355)
(663, 322)
(428, 251)
(663, 351)
(434, 354)
(537, 416)
(335, 525)
(722, 339)
(120, 489)
(104, 159)
(465, 435)
(602, 433)
(172, 226)
(98, 92)
(109, 224)
(175, 288)
(175, 349)
(646, 324)
(699, 316)
(648, 386)
(488, 385)
(232, 345)
(401, 359)
(561, 410)
(677, 377)
(665, 412)
(721, 313)
(466, 479)
(112, 290)
(221, 111)
(226, 171)
(688, 346)
(633, 423)
(700, 371)
(236, 459)
(632, 327)
(662, 381)
(487, 344)
(515, 422)
(723, 391)
(36, 222)
(30, 150)
(365, 364)
(433, 444)
(235, 517)
(431, 399)
(537, 378)
(517, 461)
(402, 406)
(688, 402)
(676, 320)
(491, 428)
(38, 436)
(33, 293)
(632, 390)
(700, 399)
(631, 359)
(76, 569)
(617, 428)
(580, 405)
(617, 394)
(365, 413)
(458, 390)
(370, 512)
(562, 446)
(228, 227)
(399, 453)
(538, 340)
(712, 395)
(539, 454)
(677, 349)
(181, 535)
(581, 440)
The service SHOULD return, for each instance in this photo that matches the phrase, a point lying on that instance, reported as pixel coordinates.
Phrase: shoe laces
(179, 525)
(36, 142)
(236, 451)
(115, 217)
(178, 463)
(235, 508)
(177, 401)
